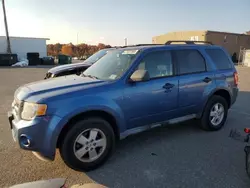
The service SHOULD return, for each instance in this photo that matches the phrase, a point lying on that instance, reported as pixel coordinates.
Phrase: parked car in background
(75, 68)
(127, 91)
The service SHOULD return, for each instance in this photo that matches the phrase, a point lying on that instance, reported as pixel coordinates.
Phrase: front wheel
(88, 144)
(215, 114)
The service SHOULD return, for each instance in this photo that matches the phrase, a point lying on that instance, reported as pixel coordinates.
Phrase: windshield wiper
(90, 76)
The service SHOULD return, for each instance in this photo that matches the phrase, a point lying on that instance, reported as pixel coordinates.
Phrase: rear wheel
(215, 114)
(88, 144)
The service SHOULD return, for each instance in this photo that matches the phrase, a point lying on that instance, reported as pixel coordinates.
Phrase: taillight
(247, 130)
(236, 78)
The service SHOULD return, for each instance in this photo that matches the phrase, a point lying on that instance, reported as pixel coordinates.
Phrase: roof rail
(140, 45)
(187, 42)
(147, 44)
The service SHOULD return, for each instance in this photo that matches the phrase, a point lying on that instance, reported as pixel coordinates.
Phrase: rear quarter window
(190, 61)
(219, 58)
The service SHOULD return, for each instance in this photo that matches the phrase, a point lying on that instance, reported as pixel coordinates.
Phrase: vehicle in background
(235, 134)
(127, 91)
(75, 68)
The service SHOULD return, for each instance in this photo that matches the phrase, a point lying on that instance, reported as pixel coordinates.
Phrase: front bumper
(39, 135)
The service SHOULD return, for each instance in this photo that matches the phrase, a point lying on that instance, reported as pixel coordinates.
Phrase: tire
(71, 149)
(206, 121)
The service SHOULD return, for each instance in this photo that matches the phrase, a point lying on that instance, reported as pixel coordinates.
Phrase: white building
(22, 45)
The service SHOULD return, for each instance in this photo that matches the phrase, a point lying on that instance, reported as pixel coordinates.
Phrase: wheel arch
(86, 114)
(225, 94)
(220, 92)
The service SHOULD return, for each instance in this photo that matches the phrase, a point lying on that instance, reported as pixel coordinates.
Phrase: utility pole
(6, 28)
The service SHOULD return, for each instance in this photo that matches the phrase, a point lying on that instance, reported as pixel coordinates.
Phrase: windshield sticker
(130, 52)
(113, 76)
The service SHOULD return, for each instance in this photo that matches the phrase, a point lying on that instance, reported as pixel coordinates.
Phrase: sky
(111, 21)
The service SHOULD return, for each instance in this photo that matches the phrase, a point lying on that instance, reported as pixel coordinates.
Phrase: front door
(155, 100)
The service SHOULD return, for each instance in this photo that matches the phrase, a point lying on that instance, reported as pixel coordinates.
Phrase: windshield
(112, 66)
(96, 56)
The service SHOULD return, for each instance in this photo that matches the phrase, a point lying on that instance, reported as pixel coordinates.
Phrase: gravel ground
(176, 156)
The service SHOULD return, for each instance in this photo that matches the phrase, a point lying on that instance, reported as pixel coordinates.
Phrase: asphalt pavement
(176, 156)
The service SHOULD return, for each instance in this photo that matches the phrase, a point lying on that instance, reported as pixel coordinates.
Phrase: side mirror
(139, 76)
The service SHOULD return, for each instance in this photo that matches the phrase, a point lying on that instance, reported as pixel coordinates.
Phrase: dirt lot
(178, 156)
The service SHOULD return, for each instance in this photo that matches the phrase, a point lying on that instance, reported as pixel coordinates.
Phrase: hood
(60, 85)
(69, 66)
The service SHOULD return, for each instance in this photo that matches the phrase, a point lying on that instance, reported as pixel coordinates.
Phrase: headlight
(31, 110)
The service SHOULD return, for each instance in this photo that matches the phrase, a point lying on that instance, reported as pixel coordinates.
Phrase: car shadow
(178, 155)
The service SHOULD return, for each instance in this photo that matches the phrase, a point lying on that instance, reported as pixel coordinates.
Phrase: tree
(92, 49)
(108, 46)
(101, 46)
(50, 50)
(67, 50)
(79, 50)
(57, 48)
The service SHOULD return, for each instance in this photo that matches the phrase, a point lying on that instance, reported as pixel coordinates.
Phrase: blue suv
(129, 90)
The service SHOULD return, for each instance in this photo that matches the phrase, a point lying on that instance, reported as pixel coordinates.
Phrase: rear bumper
(235, 92)
(39, 135)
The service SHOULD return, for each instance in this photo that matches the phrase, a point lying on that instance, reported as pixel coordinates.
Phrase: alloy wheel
(217, 114)
(90, 145)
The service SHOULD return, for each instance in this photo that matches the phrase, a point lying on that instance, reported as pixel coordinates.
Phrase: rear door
(195, 81)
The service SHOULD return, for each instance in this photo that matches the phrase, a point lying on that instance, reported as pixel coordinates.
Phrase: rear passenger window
(190, 61)
(219, 58)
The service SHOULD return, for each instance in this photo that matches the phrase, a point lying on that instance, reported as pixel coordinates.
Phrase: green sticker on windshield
(130, 52)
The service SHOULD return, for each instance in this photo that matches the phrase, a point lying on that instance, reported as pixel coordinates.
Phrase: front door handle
(168, 86)
(207, 79)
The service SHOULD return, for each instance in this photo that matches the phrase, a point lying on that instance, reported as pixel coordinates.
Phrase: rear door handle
(168, 86)
(207, 79)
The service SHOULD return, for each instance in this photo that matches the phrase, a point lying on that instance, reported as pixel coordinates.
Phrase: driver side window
(158, 64)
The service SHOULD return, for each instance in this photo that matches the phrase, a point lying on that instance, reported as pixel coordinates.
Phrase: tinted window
(158, 64)
(219, 58)
(190, 61)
